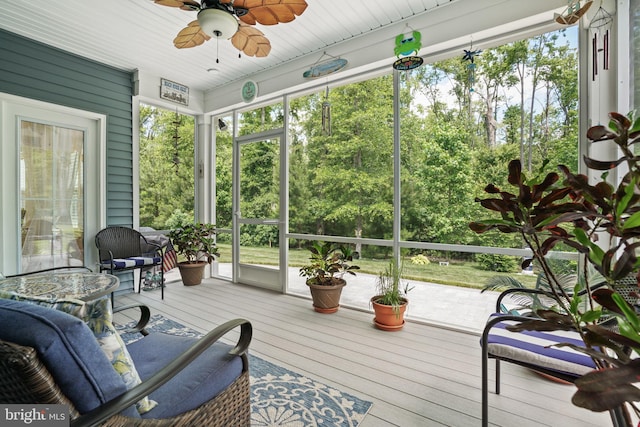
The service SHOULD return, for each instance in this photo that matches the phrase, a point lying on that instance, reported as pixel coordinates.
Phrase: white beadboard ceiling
(138, 34)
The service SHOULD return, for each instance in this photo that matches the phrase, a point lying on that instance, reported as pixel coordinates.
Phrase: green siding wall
(34, 70)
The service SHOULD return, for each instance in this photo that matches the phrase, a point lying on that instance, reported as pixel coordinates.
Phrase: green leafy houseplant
(546, 211)
(328, 263)
(195, 242)
(327, 266)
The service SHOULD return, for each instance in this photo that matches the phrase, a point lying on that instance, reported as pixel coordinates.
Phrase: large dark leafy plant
(602, 222)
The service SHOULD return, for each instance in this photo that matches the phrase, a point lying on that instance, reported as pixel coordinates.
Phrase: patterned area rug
(279, 396)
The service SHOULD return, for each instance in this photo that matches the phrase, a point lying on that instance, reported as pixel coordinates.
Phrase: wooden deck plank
(420, 376)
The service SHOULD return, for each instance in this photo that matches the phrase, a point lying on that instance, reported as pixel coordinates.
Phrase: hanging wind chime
(469, 55)
(326, 114)
(600, 26)
(176, 138)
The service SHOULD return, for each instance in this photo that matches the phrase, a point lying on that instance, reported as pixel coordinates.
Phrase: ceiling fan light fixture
(217, 23)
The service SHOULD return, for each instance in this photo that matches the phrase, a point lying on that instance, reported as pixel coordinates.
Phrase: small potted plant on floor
(328, 263)
(197, 246)
(390, 302)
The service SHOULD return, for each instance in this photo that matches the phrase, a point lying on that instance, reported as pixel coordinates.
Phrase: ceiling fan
(217, 18)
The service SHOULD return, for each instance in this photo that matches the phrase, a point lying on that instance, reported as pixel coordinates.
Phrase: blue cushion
(98, 316)
(203, 379)
(131, 262)
(537, 348)
(67, 348)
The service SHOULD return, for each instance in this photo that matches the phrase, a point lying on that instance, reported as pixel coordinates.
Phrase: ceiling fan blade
(251, 41)
(182, 4)
(269, 12)
(190, 36)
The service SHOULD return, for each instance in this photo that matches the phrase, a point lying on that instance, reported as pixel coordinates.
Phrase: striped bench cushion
(532, 347)
(121, 263)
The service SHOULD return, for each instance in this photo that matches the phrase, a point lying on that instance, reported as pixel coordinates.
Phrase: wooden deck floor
(420, 376)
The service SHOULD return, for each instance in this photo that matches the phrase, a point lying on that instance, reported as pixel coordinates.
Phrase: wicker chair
(33, 372)
(123, 248)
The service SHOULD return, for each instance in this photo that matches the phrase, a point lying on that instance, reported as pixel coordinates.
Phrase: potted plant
(390, 302)
(545, 211)
(197, 246)
(328, 263)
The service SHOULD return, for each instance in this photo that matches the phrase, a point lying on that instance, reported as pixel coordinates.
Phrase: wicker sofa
(51, 357)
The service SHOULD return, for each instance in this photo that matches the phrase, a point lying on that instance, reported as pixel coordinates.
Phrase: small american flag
(170, 258)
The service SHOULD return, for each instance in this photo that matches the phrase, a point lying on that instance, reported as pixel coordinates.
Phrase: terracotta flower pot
(191, 273)
(387, 318)
(326, 299)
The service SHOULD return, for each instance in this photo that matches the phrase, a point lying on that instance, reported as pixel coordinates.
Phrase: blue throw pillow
(98, 316)
(67, 348)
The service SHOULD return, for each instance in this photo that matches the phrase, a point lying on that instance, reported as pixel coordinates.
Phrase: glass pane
(52, 196)
(259, 245)
(260, 179)
(425, 273)
(260, 199)
(224, 176)
(370, 259)
(261, 119)
(167, 156)
(341, 161)
(223, 241)
(462, 122)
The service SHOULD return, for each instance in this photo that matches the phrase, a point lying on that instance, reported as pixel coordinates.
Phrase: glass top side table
(85, 286)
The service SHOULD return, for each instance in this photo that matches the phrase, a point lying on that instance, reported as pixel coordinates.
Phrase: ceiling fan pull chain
(217, 50)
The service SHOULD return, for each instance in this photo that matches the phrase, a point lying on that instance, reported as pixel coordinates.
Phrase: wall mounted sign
(325, 68)
(408, 63)
(174, 92)
(408, 45)
(249, 91)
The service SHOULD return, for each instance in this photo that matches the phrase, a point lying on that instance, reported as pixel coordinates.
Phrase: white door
(51, 179)
(257, 232)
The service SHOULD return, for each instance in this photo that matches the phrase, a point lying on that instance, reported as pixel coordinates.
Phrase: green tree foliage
(260, 175)
(350, 190)
(224, 177)
(301, 203)
(437, 191)
(166, 165)
(498, 263)
(455, 134)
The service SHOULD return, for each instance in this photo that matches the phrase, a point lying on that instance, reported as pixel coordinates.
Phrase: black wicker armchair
(123, 248)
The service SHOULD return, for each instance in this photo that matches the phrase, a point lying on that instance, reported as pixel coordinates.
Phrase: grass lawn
(465, 274)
